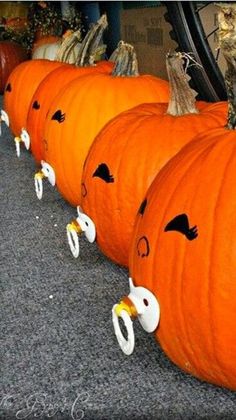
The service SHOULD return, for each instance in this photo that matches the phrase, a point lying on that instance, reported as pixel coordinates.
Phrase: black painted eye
(180, 224)
(36, 105)
(143, 247)
(8, 88)
(58, 116)
(142, 207)
(103, 172)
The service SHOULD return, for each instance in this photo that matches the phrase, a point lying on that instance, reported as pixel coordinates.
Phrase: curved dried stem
(182, 97)
(67, 45)
(90, 49)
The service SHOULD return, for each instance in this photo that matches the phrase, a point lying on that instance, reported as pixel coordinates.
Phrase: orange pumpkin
(183, 246)
(128, 153)
(82, 109)
(41, 101)
(188, 256)
(20, 87)
(11, 54)
(58, 79)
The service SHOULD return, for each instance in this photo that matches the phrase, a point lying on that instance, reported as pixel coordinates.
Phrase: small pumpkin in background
(11, 54)
(130, 150)
(43, 43)
(183, 246)
(86, 104)
(55, 50)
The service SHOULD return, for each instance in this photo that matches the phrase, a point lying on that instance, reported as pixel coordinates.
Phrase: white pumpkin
(66, 49)
(49, 52)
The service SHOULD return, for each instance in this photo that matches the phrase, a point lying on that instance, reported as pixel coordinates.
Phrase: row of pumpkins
(152, 174)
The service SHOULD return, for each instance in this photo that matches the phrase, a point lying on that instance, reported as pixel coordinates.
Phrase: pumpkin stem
(90, 50)
(182, 97)
(227, 44)
(67, 46)
(125, 60)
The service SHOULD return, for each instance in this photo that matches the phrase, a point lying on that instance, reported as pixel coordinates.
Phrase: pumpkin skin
(11, 54)
(41, 40)
(143, 140)
(49, 52)
(87, 104)
(18, 93)
(41, 101)
(189, 261)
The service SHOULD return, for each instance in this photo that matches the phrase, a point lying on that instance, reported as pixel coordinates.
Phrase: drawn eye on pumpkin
(180, 224)
(36, 105)
(8, 88)
(83, 190)
(143, 247)
(58, 116)
(142, 207)
(103, 172)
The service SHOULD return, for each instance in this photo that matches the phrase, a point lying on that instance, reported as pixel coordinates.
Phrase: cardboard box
(147, 30)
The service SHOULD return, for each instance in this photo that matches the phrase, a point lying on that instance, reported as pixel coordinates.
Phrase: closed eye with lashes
(58, 116)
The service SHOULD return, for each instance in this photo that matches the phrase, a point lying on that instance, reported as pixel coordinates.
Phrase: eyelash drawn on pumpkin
(142, 207)
(103, 172)
(36, 105)
(58, 116)
(180, 224)
(8, 88)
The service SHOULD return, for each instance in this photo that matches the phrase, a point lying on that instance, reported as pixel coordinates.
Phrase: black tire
(189, 34)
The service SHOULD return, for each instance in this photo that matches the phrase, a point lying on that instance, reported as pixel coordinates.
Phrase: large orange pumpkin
(82, 109)
(183, 245)
(130, 150)
(11, 54)
(42, 100)
(58, 79)
(183, 250)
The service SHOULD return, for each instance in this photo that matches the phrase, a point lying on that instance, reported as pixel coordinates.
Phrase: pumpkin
(18, 93)
(44, 40)
(183, 248)
(41, 101)
(47, 51)
(52, 51)
(79, 112)
(130, 150)
(56, 80)
(11, 54)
